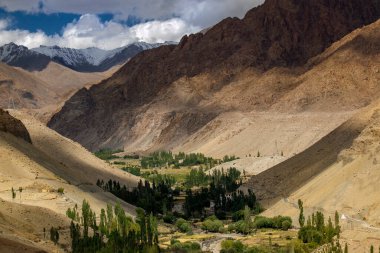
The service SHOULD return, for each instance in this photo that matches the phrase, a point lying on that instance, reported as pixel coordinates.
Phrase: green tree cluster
(222, 191)
(317, 231)
(167, 158)
(153, 198)
(116, 232)
(134, 170)
(107, 154)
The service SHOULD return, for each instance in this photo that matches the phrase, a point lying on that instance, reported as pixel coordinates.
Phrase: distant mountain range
(83, 60)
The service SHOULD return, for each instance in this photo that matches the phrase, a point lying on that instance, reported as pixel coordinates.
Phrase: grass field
(263, 236)
(178, 174)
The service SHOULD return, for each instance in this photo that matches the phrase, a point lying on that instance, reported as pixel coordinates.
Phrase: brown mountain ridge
(177, 86)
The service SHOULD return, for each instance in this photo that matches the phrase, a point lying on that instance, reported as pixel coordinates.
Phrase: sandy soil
(40, 169)
(22, 228)
(52, 162)
(15, 246)
(349, 184)
(270, 134)
(250, 166)
(43, 92)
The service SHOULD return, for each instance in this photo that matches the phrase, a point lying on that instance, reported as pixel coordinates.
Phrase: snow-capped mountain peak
(90, 59)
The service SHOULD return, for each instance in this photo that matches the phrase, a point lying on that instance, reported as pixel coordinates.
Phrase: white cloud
(3, 24)
(202, 13)
(171, 20)
(22, 37)
(161, 31)
(89, 31)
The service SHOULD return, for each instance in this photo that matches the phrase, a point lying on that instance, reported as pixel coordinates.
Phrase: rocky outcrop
(279, 33)
(13, 126)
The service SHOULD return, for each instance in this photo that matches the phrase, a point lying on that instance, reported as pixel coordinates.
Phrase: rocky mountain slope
(40, 168)
(43, 92)
(82, 60)
(51, 161)
(13, 126)
(340, 172)
(20, 56)
(182, 97)
(20, 89)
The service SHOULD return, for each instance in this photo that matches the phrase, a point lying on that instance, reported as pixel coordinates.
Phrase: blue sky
(110, 23)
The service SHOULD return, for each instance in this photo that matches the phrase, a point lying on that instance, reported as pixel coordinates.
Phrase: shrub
(212, 224)
(133, 170)
(242, 227)
(60, 190)
(263, 222)
(231, 227)
(232, 246)
(183, 225)
(286, 225)
(239, 215)
(188, 247)
(118, 163)
(278, 222)
(169, 218)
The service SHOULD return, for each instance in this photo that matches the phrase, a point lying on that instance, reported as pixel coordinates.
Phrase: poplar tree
(301, 218)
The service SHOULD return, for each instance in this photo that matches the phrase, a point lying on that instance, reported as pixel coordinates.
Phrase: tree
(86, 213)
(247, 219)
(141, 220)
(13, 193)
(337, 226)
(301, 218)
(103, 222)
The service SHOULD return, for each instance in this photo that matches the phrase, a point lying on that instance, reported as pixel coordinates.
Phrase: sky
(109, 24)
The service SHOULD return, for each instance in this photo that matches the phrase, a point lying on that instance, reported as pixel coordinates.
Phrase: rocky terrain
(292, 89)
(40, 168)
(20, 56)
(174, 97)
(43, 92)
(13, 126)
(338, 173)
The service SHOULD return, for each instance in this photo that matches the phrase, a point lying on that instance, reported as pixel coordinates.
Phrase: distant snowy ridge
(20, 56)
(94, 56)
(85, 60)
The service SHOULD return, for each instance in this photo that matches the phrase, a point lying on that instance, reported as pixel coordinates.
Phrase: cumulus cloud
(162, 20)
(22, 37)
(196, 12)
(89, 31)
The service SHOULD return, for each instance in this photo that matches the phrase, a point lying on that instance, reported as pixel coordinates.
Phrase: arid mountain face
(163, 96)
(13, 126)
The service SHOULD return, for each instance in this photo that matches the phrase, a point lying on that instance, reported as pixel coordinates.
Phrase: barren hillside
(341, 173)
(225, 93)
(40, 168)
(43, 92)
